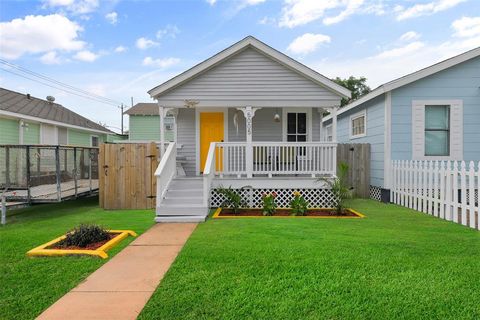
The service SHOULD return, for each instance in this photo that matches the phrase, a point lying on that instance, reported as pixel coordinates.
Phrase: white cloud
(423, 9)
(467, 27)
(252, 2)
(410, 35)
(34, 34)
(74, 6)
(160, 63)
(112, 17)
(352, 7)
(170, 31)
(211, 2)
(144, 43)
(120, 49)
(307, 43)
(86, 56)
(267, 20)
(401, 51)
(50, 58)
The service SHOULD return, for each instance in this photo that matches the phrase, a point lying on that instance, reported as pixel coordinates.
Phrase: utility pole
(121, 126)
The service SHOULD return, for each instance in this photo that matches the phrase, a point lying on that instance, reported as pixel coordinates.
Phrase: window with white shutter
(437, 130)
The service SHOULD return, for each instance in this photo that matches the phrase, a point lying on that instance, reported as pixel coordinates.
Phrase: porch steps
(183, 201)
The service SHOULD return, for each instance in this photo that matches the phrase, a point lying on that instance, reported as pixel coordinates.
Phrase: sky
(122, 49)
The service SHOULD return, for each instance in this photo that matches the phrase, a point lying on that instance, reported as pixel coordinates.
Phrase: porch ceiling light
(276, 116)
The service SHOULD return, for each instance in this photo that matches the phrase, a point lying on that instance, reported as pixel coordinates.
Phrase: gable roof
(409, 78)
(263, 48)
(143, 109)
(17, 104)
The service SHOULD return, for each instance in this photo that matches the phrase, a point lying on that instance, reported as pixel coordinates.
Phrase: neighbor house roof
(238, 47)
(143, 109)
(25, 106)
(409, 78)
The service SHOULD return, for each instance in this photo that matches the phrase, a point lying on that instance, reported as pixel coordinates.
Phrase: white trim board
(412, 77)
(285, 111)
(263, 48)
(55, 123)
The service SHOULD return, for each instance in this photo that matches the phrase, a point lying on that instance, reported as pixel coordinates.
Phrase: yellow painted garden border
(100, 252)
(216, 215)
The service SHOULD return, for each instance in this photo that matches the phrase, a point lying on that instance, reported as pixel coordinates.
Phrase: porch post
(320, 118)
(161, 111)
(334, 124)
(249, 113)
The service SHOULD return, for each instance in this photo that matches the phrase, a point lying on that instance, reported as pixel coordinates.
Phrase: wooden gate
(126, 175)
(357, 156)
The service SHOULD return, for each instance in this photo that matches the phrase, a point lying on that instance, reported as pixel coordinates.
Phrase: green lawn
(394, 264)
(30, 285)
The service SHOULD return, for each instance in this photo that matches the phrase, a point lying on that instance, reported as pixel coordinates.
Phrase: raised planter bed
(98, 249)
(321, 213)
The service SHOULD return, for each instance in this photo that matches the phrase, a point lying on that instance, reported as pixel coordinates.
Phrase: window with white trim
(296, 126)
(329, 133)
(358, 125)
(437, 130)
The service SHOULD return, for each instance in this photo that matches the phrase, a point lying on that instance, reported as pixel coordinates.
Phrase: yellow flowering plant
(298, 204)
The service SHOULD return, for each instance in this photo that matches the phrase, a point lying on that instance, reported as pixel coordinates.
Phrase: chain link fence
(35, 173)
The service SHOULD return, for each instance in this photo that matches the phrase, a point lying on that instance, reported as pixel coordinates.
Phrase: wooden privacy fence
(447, 190)
(126, 177)
(357, 156)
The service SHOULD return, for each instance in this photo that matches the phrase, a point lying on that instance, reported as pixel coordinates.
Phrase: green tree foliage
(358, 87)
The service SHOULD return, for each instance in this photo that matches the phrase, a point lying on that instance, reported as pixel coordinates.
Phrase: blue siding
(458, 82)
(375, 134)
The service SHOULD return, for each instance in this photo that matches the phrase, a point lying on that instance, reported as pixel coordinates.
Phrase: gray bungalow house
(247, 116)
(431, 114)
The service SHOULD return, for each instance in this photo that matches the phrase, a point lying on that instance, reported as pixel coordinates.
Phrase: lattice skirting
(375, 193)
(317, 198)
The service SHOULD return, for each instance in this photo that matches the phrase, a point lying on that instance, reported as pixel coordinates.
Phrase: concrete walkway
(122, 286)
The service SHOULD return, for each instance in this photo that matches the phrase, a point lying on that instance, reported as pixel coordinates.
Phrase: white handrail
(166, 171)
(279, 158)
(209, 173)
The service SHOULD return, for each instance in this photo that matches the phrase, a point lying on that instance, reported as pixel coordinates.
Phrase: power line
(80, 92)
(55, 87)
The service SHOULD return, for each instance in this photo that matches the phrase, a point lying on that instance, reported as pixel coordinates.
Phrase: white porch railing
(209, 173)
(166, 171)
(275, 158)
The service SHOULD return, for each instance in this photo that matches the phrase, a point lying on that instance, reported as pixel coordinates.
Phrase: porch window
(94, 141)
(437, 130)
(296, 127)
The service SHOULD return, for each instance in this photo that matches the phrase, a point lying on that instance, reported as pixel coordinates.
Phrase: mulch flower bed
(91, 246)
(286, 213)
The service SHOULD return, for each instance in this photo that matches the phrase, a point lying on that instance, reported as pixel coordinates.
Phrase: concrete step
(181, 210)
(172, 200)
(173, 219)
(184, 193)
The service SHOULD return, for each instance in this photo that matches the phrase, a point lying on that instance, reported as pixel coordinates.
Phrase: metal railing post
(58, 175)
(75, 171)
(27, 162)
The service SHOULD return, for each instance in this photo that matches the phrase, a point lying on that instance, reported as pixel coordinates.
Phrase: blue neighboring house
(431, 114)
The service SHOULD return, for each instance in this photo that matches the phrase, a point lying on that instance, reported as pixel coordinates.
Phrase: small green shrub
(233, 200)
(298, 204)
(269, 204)
(83, 235)
(340, 189)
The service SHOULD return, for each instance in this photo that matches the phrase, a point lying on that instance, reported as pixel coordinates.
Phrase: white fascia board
(262, 47)
(56, 123)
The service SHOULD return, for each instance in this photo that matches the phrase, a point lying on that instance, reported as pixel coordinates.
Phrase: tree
(358, 86)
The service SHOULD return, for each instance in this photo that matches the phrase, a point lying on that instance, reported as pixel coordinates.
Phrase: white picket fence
(444, 189)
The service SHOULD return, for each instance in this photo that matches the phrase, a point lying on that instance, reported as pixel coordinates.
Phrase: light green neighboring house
(144, 123)
(31, 121)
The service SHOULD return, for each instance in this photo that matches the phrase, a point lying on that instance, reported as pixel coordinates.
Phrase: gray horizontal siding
(249, 76)
(186, 137)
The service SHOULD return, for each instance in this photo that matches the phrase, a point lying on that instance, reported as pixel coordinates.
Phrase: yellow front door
(211, 130)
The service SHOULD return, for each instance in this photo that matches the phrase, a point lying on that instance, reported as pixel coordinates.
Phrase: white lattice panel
(375, 193)
(319, 198)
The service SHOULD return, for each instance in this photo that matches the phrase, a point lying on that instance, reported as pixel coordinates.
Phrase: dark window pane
(291, 123)
(302, 137)
(302, 122)
(291, 138)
